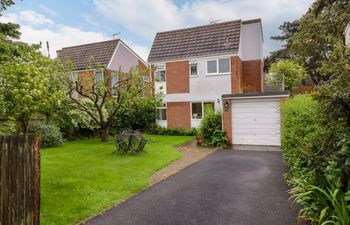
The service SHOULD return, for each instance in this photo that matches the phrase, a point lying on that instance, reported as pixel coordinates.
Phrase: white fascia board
(256, 97)
(114, 53)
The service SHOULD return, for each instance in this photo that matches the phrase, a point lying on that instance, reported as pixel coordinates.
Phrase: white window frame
(113, 88)
(156, 70)
(202, 103)
(166, 116)
(103, 75)
(191, 63)
(217, 66)
(75, 74)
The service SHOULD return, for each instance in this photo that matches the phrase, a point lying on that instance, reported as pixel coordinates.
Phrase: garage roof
(256, 95)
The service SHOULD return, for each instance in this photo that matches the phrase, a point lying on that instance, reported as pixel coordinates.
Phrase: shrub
(139, 114)
(9, 127)
(173, 131)
(212, 122)
(50, 133)
(219, 139)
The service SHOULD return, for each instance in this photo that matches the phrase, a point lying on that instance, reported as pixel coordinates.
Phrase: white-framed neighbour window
(114, 84)
(218, 66)
(74, 77)
(197, 110)
(200, 109)
(98, 76)
(160, 73)
(193, 69)
(161, 113)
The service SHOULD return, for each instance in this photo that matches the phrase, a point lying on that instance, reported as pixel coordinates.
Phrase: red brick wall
(236, 75)
(227, 120)
(178, 115)
(177, 77)
(86, 78)
(252, 76)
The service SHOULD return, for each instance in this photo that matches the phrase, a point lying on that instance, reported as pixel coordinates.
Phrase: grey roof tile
(93, 54)
(218, 38)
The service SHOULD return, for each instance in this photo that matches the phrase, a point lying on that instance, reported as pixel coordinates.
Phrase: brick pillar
(227, 120)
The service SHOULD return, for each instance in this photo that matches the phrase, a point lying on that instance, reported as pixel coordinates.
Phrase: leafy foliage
(49, 132)
(138, 113)
(9, 127)
(211, 130)
(173, 131)
(288, 72)
(30, 84)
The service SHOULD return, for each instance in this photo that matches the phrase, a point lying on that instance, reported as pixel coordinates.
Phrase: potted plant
(199, 139)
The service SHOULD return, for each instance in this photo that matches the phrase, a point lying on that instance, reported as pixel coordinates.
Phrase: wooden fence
(20, 179)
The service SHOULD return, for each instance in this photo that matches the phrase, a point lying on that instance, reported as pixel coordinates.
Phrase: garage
(255, 119)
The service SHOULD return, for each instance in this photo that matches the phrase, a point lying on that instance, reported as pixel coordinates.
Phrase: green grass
(81, 178)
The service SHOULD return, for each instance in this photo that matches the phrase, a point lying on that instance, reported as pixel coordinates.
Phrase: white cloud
(48, 10)
(90, 20)
(59, 35)
(31, 17)
(146, 18)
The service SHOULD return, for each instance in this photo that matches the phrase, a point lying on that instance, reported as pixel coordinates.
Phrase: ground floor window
(200, 109)
(197, 111)
(161, 113)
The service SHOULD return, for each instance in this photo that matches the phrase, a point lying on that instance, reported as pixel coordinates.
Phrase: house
(216, 67)
(347, 34)
(113, 55)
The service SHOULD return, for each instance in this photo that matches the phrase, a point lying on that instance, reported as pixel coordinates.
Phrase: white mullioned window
(218, 66)
(200, 109)
(160, 74)
(161, 112)
(193, 67)
(114, 84)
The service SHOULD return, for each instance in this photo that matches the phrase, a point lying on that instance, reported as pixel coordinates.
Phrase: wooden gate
(20, 179)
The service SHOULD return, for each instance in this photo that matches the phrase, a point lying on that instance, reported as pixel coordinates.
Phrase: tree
(310, 39)
(29, 84)
(288, 72)
(99, 100)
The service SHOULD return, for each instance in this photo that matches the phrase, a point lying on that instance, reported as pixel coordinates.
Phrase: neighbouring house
(113, 55)
(347, 34)
(216, 67)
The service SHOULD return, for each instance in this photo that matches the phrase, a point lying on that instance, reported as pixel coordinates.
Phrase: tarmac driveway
(226, 188)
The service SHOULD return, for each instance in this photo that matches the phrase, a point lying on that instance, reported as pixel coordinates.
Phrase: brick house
(208, 68)
(113, 55)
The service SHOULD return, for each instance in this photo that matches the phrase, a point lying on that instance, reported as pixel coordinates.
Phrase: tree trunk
(24, 125)
(104, 133)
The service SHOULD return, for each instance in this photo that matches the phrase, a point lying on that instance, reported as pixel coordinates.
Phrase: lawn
(81, 178)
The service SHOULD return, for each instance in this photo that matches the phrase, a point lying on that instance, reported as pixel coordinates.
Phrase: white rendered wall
(251, 42)
(123, 59)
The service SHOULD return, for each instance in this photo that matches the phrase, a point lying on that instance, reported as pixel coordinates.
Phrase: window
(200, 109)
(74, 77)
(193, 69)
(224, 65)
(197, 110)
(161, 113)
(208, 107)
(114, 84)
(160, 73)
(218, 66)
(98, 76)
(212, 66)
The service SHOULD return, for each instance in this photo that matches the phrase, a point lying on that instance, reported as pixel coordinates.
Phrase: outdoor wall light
(226, 106)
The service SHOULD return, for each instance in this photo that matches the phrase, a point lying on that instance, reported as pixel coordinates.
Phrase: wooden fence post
(20, 179)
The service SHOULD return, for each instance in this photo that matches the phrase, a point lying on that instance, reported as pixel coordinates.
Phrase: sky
(66, 23)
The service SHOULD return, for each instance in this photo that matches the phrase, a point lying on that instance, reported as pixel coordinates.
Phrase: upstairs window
(98, 77)
(74, 77)
(160, 73)
(193, 69)
(218, 66)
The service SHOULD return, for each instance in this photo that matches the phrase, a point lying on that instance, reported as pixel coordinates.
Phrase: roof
(253, 95)
(82, 56)
(212, 39)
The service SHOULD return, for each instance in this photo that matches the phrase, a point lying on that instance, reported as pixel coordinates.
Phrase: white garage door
(256, 122)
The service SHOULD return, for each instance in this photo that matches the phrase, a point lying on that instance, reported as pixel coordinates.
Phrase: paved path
(226, 188)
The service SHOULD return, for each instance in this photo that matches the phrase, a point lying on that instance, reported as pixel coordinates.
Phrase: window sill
(194, 76)
(217, 74)
(196, 119)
